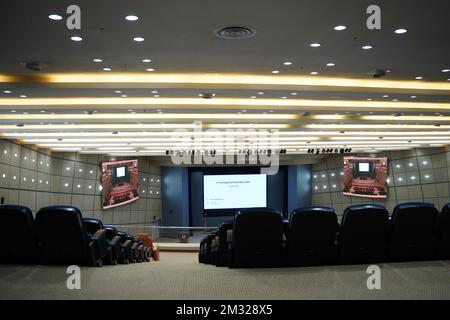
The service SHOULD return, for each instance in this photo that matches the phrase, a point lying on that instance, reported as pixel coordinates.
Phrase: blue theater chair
(363, 234)
(413, 230)
(311, 237)
(127, 254)
(257, 238)
(113, 245)
(17, 235)
(63, 238)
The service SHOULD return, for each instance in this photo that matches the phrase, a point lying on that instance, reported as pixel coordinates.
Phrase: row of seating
(60, 235)
(312, 236)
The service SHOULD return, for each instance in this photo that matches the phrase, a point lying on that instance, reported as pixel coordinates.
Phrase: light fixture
(131, 17)
(118, 91)
(253, 97)
(138, 39)
(315, 45)
(22, 96)
(7, 91)
(106, 69)
(294, 93)
(154, 91)
(156, 95)
(400, 31)
(340, 28)
(314, 73)
(146, 60)
(419, 78)
(275, 71)
(385, 96)
(124, 96)
(260, 92)
(287, 63)
(150, 69)
(445, 70)
(76, 38)
(413, 97)
(367, 47)
(55, 17)
(330, 64)
(97, 60)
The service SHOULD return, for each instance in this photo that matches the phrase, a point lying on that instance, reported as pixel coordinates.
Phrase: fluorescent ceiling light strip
(288, 135)
(375, 126)
(236, 80)
(144, 102)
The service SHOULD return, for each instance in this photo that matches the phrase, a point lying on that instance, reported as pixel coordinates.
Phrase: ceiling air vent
(235, 32)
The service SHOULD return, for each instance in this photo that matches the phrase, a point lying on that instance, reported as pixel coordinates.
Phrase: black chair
(208, 247)
(113, 245)
(63, 238)
(363, 234)
(443, 246)
(413, 228)
(141, 250)
(135, 255)
(257, 238)
(127, 254)
(202, 250)
(311, 237)
(221, 250)
(18, 239)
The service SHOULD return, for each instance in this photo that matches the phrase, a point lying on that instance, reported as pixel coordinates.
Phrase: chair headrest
(408, 205)
(250, 211)
(17, 210)
(446, 208)
(360, 207)
(313, 209)
(97, 222)
(64, 209)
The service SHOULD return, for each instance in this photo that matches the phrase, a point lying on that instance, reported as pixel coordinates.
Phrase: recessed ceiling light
(275, 71)
(13, 111)
(76, 38)
(395, 100)
(138, 39)
(419, 78)
(385, 96)
(315, 45)
(146, 60)
(118, 91)
(287, 63)
(314, 73)
(154, 91)
(156, 96)
(253, 97)
(330, 64)
(294, 93)
(340, 28)
(124, 96)
(7, 91)
(260, 92)
(400, 31)
(445, 70)
(413, 97)
(131, 17)
(283, 97)
(55, 17)
(367, 47)
(369, 99)
(23, 96)
(42, 111)
(97, 60)
(106, 69)
(150, 69)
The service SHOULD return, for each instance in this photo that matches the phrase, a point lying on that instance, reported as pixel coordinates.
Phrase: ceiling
(73, 104)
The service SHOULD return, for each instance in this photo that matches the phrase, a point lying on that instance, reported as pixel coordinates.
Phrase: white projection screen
(234, 191)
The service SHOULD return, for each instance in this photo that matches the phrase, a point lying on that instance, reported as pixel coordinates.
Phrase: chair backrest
(62, 234)
(17, 234)
(311, 236)
(363, 234)
(111, 232)
(260, 227)
(92, 225)
(413, 231)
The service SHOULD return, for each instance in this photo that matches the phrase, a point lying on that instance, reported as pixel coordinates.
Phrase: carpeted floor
(179, 276)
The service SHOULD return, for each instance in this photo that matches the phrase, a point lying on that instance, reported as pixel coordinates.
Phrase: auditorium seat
(412, 236)
(135, 256)
(17, 235)
(257, 239)
(127, 255)
(311, 236)
(63, 238)
(443, 247)
(363, 234)
(208, 246)
(221, 249)
(113, 245)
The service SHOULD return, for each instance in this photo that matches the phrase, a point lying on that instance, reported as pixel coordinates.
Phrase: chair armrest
(114, 241)
(99, 240)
